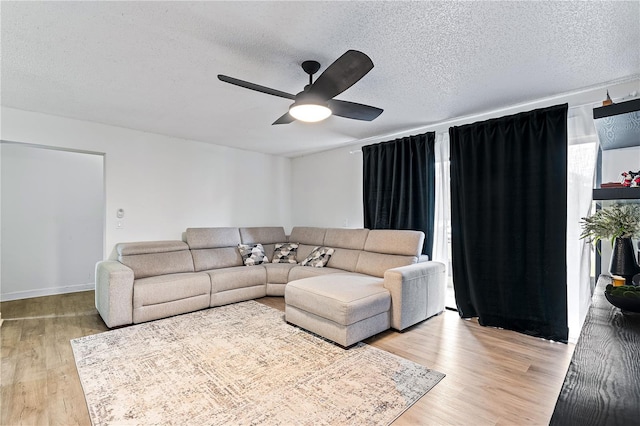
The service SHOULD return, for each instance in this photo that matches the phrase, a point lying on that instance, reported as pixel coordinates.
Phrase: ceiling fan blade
(342, 74)
(353, 110)
(285, 119)
(255, 87)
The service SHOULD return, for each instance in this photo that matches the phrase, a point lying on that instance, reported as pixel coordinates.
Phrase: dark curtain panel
(399, 185)
(508, 220)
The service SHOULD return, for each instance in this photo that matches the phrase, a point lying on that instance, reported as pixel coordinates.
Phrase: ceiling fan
(315, 102)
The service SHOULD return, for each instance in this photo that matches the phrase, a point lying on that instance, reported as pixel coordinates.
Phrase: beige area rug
(241, 364)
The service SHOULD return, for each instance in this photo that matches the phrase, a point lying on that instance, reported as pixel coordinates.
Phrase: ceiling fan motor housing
(311, 67)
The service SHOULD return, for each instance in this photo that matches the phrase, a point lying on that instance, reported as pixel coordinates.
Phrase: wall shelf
(616, 193)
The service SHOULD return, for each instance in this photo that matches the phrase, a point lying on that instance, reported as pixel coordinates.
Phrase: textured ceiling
(152, 66)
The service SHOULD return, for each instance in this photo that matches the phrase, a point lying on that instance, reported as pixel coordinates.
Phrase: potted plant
(619, 224)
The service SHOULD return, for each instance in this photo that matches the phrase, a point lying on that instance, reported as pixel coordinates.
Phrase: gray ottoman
(345, 308)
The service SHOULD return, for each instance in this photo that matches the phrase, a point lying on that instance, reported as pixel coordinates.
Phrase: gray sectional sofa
(373, 281)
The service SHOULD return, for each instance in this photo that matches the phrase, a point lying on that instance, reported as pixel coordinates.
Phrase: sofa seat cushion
(300, 272)
(168, 288)
(237, 277)
(342, 298)
(278, 273)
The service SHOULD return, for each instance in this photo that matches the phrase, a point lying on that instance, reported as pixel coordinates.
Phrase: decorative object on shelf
(630, 179)
(618, 223)
(612, 185)
(607, 101)
(623, 260)
(626, 297)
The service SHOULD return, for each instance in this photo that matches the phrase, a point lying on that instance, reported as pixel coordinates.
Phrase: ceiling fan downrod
(311, 67)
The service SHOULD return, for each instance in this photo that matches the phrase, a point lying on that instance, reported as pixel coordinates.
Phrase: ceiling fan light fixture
(309, 112)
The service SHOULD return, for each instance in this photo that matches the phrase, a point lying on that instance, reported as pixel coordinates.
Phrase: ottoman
(344, 308)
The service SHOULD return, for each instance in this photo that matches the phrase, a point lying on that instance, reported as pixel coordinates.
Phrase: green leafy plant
(617, 221)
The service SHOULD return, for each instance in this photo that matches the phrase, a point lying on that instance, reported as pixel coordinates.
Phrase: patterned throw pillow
(318, 257)
(285, 253)
(252, 254)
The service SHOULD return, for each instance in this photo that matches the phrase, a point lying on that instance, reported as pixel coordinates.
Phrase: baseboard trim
(16, 295)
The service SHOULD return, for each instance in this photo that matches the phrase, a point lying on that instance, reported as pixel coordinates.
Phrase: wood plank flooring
(494, 377)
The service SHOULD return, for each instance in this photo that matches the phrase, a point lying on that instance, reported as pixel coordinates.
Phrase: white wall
(166, 184)
(327, 189)
(52, 217)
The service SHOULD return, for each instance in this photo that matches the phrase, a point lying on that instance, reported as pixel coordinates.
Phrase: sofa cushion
(342, 298)
(299, 272)
(278, 273)
(345, 259)
(237, 277)
(393, 241)
(263, 235)
(318, 257)
(167, 288)
(285, 253)
(155, 258)
(308, 235)
(214, 258)
(346, 238)
(268, 236)
(376, 263)
(204, 238)
(252, 254)
(149, 247)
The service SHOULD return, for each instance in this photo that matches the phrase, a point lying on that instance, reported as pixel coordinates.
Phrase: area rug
(241, 364)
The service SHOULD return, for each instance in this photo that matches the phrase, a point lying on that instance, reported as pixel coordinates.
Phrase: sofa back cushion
(208, 238)
(215, 258)
(268, 236)
(389, 248)
(348, 243)
(214, 248)
(377, 263)
(394, 241)
(346, 238)
(307, 237)
(151, 258)
(263, 235)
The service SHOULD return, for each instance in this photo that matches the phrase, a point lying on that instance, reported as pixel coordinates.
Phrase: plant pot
(623, 259)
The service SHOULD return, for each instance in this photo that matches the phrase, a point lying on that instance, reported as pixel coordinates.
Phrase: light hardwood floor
(494, 377)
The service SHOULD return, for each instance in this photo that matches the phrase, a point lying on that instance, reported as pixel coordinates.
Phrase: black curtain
(508, 220)
(399, 185)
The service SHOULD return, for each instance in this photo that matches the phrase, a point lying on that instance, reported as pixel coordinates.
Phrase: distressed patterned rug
(241, 364)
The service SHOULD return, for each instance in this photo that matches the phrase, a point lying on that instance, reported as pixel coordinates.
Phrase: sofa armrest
(417, 292)
(114, 293)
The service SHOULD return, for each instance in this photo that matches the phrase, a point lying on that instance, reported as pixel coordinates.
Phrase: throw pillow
(252, 254)
(318, 257)
(285, 253)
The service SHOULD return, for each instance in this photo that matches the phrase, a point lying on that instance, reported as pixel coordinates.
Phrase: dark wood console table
(602, 385)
